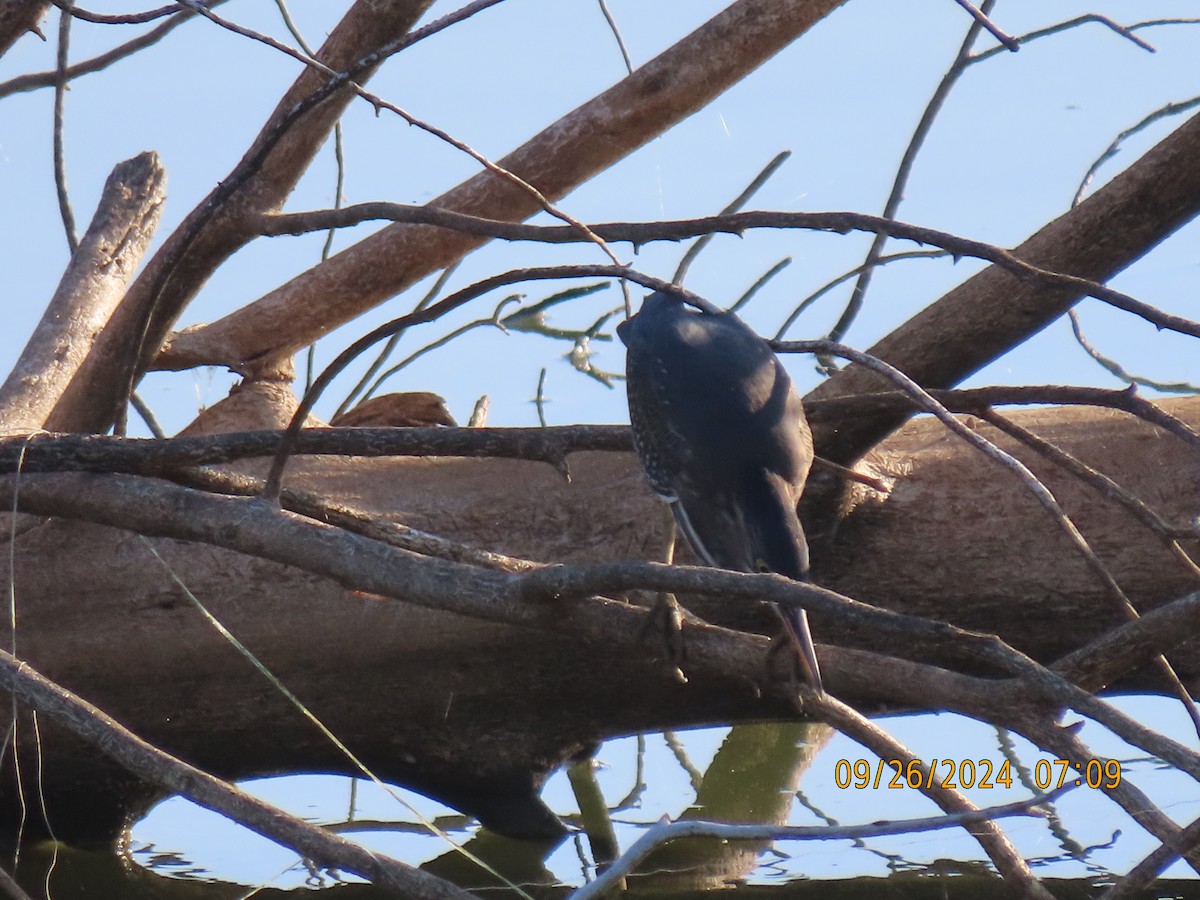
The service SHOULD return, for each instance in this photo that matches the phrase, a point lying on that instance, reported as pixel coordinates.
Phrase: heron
(721, 434)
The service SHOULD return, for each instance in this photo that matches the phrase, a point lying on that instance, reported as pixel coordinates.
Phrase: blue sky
(1004, 157)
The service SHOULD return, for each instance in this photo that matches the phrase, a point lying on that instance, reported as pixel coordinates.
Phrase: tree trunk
(478, 713)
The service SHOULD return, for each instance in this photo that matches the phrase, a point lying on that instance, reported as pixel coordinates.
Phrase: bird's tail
(795, 621)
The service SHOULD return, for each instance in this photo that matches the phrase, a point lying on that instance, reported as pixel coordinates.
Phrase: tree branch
(148, 762)
(18, 17)
(992, 312)
(605, 129)
(45, 388)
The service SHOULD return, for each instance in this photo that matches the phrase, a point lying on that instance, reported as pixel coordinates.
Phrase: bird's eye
(760, 566)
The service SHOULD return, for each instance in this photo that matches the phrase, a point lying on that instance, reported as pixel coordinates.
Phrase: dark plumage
(722, 436)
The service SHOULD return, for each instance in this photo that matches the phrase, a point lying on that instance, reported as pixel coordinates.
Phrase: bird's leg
(799, 670)
(666, 616)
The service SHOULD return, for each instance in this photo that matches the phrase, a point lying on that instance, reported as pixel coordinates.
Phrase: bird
(721, 435)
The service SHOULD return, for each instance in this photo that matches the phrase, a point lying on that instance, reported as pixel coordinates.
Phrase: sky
(1004, 157)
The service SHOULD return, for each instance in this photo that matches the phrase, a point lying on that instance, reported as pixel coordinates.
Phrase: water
(787, 773)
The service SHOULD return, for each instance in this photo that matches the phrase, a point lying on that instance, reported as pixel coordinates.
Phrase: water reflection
(763, 774)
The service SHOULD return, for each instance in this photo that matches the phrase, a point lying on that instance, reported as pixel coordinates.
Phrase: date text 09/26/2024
(1047, 774)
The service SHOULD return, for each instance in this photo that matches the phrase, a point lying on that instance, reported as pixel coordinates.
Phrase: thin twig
(993, 452)
(896, 196)
(1125, 31)
(105, 453)
(736, 204)
(122, 19)
(1100, 482)
(274, 479)
(736, 223)
(493, 320)
(971, 400)
(158, 767)
(339, 159)
(36, 80)
(60, 99)
(759, 284)
(1065, 744)
(379, 103)
(314, 506)
(386, 350)
(1170, 109)
(1119, 371)
(1009, 42)
(539, 397)
(846, 276)
(664, 831)
(147, 415)
(1116, 493)
(616, 32)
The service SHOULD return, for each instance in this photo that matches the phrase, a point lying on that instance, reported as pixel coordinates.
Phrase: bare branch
(280, 154)
(658, 94)
(343, 359)
(159, 767)
(639, 233)
(124, 18)
(664, 832)
(43, 389)
(736, 204)
(839, 409)
(19, 17)
(904, 170)
(98, 63)
(60, 99)
(1116, 369)
(1124, 31)
(1163, 112)
(102, 453)
(1114, 491)
(612, 26)
(1183, 843)
(1007, 40)
(991, 312)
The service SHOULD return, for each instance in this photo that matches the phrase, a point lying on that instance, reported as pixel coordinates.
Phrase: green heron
(721, 434)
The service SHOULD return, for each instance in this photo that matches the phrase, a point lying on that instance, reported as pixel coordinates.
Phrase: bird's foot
(665, 621)
(795, 673)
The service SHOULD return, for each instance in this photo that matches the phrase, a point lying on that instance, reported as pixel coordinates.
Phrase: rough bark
(224, 221)
(44, 388)
(18, 17)
(584, 142)
(478, 712)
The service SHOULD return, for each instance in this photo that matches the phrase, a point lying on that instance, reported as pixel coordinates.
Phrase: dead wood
(225, 220)
(992, 312)
(478, 712)
(567, 153)
(17, 17)
(44, 389)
